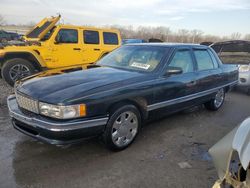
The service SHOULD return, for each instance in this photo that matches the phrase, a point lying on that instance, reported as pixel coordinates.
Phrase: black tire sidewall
(12, 62)
(107, 135)
(211, 104)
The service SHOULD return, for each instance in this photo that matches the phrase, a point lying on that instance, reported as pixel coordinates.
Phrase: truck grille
(27, 103)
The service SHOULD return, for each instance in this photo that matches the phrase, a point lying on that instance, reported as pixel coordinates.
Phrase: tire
(16, 69)
(248, 91)
(122, 128)
(217, 101)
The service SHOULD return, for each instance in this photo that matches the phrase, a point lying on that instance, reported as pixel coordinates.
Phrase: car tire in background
(248, 91)
(16, 69)
(217, 101)
(122, 128)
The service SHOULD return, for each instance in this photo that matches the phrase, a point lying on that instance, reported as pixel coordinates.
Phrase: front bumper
(53, 131)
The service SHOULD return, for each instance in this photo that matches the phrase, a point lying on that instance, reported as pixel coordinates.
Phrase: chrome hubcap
(219, 98)
(124, 128)
(18, 72)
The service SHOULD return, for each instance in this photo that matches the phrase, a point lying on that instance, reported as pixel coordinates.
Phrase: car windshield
(138, 58)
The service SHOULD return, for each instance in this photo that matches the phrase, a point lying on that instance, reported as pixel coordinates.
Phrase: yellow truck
(50, 46)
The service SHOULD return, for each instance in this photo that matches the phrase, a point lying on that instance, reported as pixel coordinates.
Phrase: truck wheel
(122, 128)
(217, 102)
(16, 69)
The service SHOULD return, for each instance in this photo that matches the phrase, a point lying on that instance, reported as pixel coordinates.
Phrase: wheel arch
(139, 102)
(36, 61)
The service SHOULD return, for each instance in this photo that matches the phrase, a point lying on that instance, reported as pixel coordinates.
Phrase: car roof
(165, 44)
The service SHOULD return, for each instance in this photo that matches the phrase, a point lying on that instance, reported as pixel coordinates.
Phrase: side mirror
(173, 71)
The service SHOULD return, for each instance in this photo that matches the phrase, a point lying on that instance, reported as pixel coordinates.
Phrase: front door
(177, 90)
(67, 50)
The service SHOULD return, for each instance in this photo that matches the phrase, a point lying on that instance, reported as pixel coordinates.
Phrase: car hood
(42, 28)
(60, 88)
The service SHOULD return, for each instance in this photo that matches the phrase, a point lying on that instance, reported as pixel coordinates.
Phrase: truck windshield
(138, 58)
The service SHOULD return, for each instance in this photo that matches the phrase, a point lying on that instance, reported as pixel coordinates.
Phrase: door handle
(96, 49)
(76, 48)
(192, 83)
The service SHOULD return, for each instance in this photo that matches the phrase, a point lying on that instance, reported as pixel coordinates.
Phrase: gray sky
(219, 17)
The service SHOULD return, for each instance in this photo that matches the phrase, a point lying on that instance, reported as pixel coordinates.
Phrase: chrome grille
(27, 103)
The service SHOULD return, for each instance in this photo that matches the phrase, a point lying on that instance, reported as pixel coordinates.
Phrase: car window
(67, 36)
(91, 37)
(110, 38)
(216, 65)
(136, 58)
(204, 61)
(183, 59)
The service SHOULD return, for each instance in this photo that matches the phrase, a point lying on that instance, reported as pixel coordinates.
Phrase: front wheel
(217, 101)
(16, 69)
(122, 128)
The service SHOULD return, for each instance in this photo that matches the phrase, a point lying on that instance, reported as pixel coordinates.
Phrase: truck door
(67, 50)
(92, 48)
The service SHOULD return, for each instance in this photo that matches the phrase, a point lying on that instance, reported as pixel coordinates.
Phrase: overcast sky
(219, 17)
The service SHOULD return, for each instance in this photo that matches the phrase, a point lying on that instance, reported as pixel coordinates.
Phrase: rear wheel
(16, 69)
(217, 101)
(122, 128)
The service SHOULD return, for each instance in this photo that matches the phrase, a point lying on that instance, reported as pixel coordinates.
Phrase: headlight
(244, 68)
(62, 112)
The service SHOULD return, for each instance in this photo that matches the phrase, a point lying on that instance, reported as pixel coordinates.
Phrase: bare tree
(2, 20)
(247, 37)
(196, 35)
(235, 36)
(182, 35)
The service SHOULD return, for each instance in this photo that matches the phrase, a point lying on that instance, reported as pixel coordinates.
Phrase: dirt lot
(152, 161)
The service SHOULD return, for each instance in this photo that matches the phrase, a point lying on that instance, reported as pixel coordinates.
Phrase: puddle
(197, 151)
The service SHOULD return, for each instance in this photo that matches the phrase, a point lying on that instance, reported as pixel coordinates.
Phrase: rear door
(209, 74)
(91, 49)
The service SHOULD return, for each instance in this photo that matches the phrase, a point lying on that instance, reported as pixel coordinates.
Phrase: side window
(203, 59)
(182, 59)
(67, 36)
(213, 59)
(91, 37)
(110, 38)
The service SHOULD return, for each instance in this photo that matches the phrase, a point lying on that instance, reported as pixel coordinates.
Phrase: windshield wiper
(93, 66)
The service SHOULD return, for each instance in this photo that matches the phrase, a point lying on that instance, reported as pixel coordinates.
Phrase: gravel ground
(5, 91)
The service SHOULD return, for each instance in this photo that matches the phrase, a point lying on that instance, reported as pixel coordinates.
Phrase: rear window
(91, 37)
(110, 38)
(203, 59)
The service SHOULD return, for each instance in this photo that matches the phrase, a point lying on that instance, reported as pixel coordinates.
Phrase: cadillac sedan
(114, 97)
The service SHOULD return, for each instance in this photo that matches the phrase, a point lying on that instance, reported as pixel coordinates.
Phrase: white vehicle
(244, 77)
(231, 157)
(236, 52)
